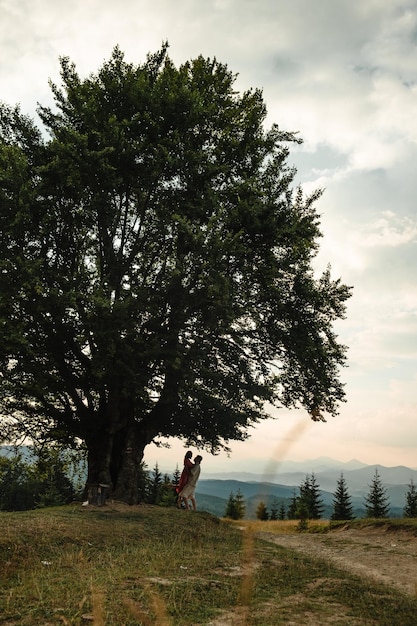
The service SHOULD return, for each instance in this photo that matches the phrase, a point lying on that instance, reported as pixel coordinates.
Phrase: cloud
(391, 426)
(390, 230)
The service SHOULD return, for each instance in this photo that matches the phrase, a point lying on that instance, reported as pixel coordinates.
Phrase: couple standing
(188, 480)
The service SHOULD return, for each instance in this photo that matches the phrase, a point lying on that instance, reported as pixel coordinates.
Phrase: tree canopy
(156, 267)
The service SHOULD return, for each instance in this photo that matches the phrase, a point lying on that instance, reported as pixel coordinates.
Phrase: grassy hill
(147, 566)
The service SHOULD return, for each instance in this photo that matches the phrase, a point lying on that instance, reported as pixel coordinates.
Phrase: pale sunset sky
(344, 74)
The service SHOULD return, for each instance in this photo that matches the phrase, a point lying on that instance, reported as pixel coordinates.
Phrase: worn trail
(386, 556)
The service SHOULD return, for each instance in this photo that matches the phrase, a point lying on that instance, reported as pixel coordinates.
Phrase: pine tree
(410, 509)
(376, 502)
(240, 505)
(342, 505)
(235, 507)
(167, 493)
(282, 512)
(262, 512)
(143, 483)
(231, 507)
(273, 514)
(316, 501)
(302, 515)
(176, 476)
(292, 509)
(304, 499)
(310, 497)
(155, 486)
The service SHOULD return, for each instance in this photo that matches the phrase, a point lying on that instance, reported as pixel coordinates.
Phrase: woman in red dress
(185, 474)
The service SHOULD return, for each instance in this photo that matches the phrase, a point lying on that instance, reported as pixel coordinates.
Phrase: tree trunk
(99, 484)
(98, 455)
(127, 454)
(113, 464)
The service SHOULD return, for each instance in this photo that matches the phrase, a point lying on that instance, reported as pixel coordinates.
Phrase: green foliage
(410, 509)
(292, 509)
(230, 507)
(155, 486)
(51, 469)
(262, 512)
(17, 488)
(154, 261)
(167, 493)
(303, 515)
(143, 482)
(42, 481)
(235, 507)
(376, 501)
(176, 476)
(273, 512)
(240, 505)
(310, 499)
(282, 512)
(308, 504)
(342, 504)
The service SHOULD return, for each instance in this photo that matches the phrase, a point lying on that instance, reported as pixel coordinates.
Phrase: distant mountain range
(280, 485)
(276, 472)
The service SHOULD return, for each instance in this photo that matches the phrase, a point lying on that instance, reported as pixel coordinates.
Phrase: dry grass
(134, 566)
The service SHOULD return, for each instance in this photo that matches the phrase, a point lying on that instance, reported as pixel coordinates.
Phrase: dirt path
(386, 556)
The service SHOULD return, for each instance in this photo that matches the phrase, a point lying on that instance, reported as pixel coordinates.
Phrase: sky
(343, 73)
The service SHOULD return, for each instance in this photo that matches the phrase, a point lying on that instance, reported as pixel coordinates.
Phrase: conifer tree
(376, 502)
(240, 504)
(282, 512)
(292, 509)
(302, 515)
(167, 495)
(155, 485)
(273, 514)
(235, 507)
(410, 509)
(310, 497)
(262, 512)
(342, 505)
(176, 476)
(143, 482)
(304, 499)
(316, 501)
(231, 507)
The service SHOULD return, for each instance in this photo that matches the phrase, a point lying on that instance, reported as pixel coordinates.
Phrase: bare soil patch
(386, 556)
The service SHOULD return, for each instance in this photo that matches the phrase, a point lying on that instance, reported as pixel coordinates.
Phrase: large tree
(156, 267)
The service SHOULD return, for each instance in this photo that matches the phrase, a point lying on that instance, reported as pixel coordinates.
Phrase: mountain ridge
(283, 485)
(285, 475)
